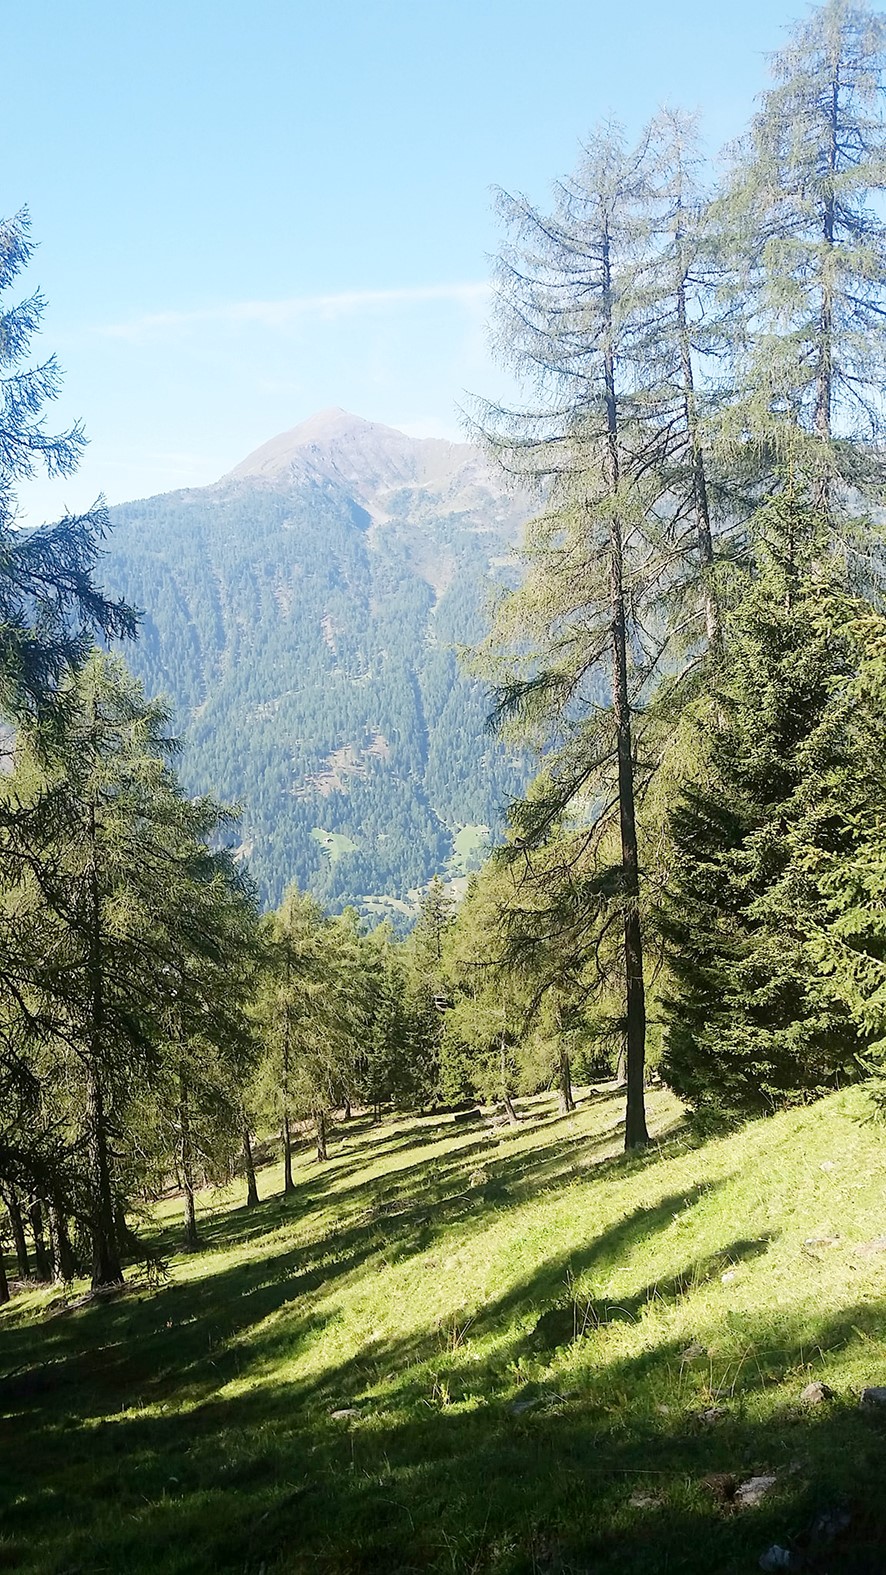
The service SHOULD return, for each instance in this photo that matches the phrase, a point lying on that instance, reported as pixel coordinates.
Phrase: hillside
(303, 614)
(462, 1348)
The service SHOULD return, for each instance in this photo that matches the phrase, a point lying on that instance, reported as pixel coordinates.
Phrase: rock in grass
(344, 1413)
(520, 1407)
(874, 1398)
(751, 1493)
(713, 1415)
(776, 1558)
(692, 1352)
(816, 1394)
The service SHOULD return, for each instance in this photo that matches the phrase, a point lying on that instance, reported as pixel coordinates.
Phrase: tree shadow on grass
(189, 1337)
(395, 1192)
(609, 1480)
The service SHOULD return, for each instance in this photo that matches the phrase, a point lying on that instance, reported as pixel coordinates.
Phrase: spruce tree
(51, 609)
(749, 1023)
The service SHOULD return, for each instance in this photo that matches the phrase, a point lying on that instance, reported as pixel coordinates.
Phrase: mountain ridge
(303, 614)
(371, 462)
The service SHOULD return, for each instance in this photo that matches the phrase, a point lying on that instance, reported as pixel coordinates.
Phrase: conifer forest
(443, 957)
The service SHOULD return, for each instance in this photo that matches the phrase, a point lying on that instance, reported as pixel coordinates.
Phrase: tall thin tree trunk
(186, 1161)
(320, 1121)
(41, 1256)
(63, 1263)
(346, 1107)
(4, 1283)
(17, 1226)
(249, 1166)
(507, 1100)
(635, 995)
(288, 1183)
(106, 1267)
(825, 377)
(565, 1097)
(704, 533)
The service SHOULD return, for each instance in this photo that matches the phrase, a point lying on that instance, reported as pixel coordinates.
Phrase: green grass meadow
(552, 1358)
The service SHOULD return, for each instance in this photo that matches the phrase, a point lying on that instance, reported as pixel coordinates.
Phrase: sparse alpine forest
(550, 1235)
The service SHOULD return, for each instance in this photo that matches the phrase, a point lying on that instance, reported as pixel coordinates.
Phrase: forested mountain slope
(303, 614)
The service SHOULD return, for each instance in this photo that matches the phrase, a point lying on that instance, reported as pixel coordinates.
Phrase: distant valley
(303, 614)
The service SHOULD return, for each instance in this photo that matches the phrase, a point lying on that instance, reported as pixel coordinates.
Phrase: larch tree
(291, 1010)
(119, 893)
(803, 209)
(576, 312)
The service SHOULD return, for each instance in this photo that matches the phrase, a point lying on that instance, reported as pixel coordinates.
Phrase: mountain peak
(367, 459)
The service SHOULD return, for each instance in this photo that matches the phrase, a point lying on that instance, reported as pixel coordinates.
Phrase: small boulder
(344, 1414)
(816, 1393)
(751, 1493)
(776, 1558)
(873, 1398)
(713, 1415)
(520, 1407)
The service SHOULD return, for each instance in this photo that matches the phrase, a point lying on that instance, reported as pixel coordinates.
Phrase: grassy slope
(188, 1427)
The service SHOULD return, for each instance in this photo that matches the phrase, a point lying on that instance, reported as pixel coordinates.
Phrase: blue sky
(247, 212)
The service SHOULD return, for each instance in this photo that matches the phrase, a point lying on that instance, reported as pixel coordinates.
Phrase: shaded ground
(552, 1358)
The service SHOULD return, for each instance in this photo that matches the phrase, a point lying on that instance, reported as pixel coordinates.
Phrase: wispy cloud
(278, 314)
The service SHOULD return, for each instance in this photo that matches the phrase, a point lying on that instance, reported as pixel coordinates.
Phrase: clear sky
(251, 209)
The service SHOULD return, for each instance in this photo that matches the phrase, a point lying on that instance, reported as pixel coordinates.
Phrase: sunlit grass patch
(543, 1354)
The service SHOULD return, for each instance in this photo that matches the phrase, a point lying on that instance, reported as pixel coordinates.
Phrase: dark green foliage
(782, 750)
(50, 606)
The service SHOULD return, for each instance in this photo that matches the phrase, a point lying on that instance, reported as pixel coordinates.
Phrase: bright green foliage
(427, 991)
(135, 915)
(383, 1072)
(785, 756)
(296, 1018)
(484, 1027)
